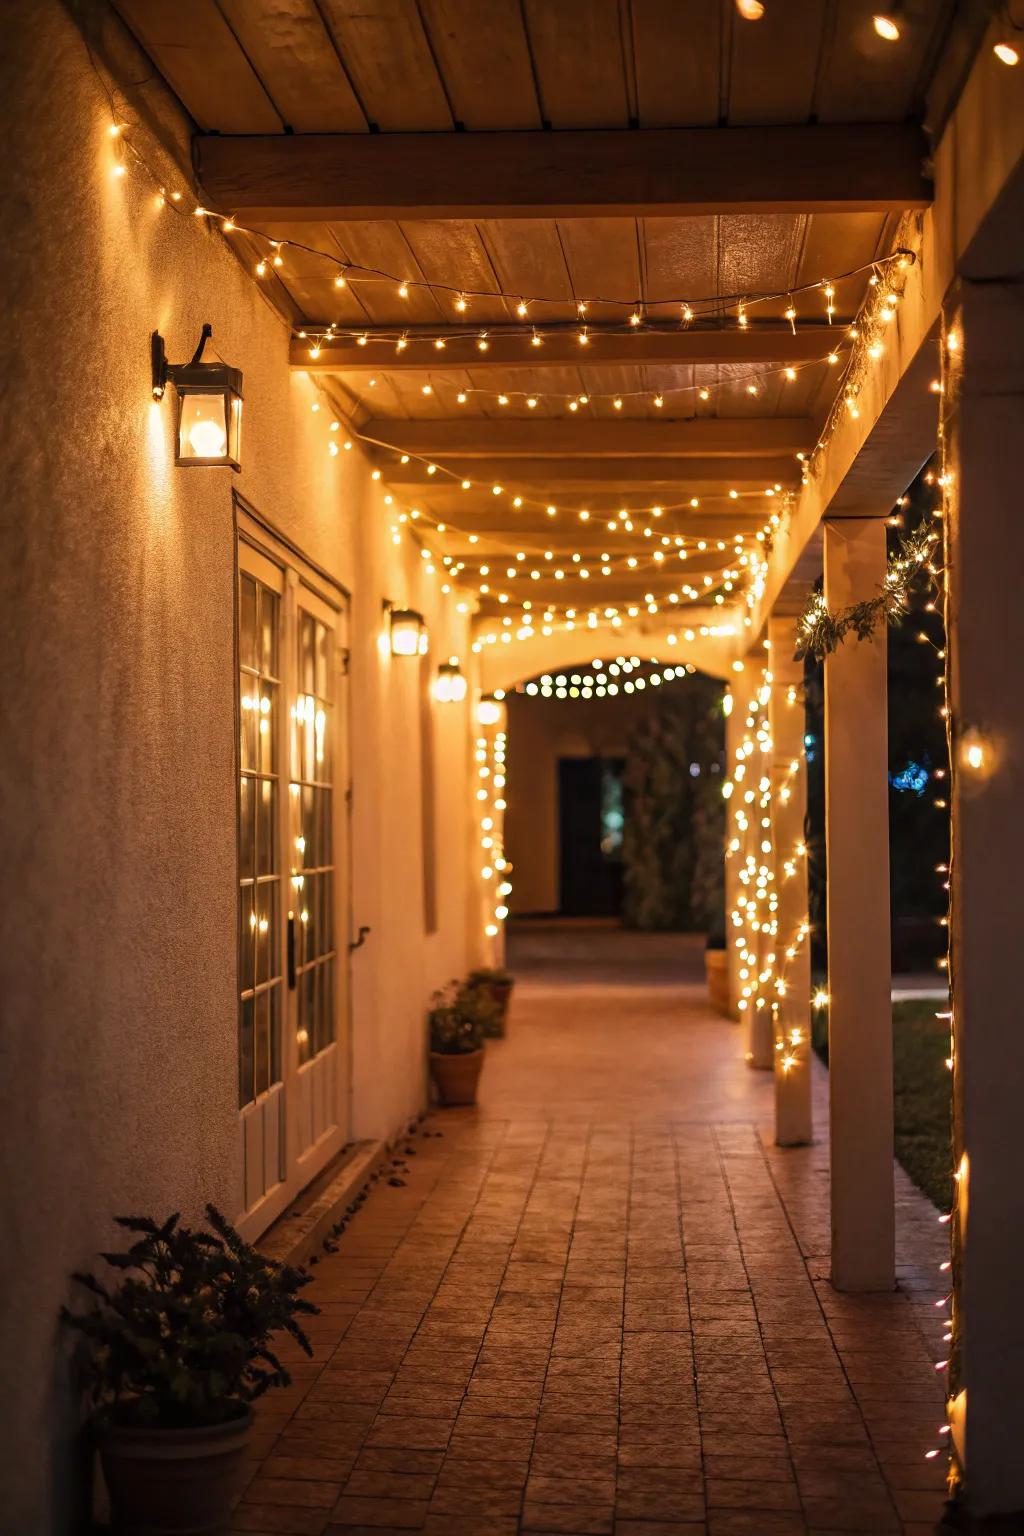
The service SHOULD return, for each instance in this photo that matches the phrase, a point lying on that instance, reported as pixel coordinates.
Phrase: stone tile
(588, 1296)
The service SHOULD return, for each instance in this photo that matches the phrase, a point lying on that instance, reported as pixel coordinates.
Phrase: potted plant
(716, 969)
(496, 985)
(171, 1358)
(457, 1017)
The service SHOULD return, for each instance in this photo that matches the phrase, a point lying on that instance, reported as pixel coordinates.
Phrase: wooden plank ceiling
(653, 439)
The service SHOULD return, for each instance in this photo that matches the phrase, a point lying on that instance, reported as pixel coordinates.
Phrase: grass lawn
(921, 1086)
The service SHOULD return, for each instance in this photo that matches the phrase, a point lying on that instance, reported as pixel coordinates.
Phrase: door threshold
(299, 1232)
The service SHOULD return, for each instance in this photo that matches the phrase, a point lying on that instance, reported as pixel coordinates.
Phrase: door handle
(291, 951)
(360, 938)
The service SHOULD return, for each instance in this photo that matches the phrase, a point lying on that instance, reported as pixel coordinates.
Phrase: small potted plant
(716, 969)
(171, 1358)
(457, 1018)
(496, 984)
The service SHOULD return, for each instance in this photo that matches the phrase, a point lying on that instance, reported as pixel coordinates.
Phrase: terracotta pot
(174, 1482)
(500, 993)
(456, 1077)
(716, 968)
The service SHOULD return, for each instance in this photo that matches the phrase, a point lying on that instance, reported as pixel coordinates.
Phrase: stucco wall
(541, 731)
(118, 861)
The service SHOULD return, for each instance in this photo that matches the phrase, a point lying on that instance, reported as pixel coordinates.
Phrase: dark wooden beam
(600, 474)
(476, 437)
(767, 342)
(826, 168)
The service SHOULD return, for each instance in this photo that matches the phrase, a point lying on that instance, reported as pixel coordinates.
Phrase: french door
(292, 852)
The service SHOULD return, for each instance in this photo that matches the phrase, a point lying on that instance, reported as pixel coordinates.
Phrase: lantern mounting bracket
(163, 370)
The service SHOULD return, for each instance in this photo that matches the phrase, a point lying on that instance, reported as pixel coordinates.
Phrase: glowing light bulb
(750, 10)
(887, 27)
(207, 439)
(1006, 53)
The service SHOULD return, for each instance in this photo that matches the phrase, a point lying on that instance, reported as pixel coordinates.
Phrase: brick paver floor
(599, 1303)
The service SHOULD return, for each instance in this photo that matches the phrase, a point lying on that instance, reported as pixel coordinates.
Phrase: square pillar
(792, 940)
(983, 429)
(859, 959)
(734, 846)
(760, 861)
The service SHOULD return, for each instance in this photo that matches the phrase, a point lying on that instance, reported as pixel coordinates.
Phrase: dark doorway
(591, 818)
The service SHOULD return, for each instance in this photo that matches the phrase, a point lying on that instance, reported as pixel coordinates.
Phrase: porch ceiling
(411, 139)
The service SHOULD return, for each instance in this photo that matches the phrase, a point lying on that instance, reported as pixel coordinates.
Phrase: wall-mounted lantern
(408, 632)
(450, 683)
(209, 425)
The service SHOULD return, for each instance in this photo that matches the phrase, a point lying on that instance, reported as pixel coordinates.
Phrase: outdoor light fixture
(887, 24)
(490, 710)
(450, 683)
(408, 632)
(1007, 47)
(209, 405)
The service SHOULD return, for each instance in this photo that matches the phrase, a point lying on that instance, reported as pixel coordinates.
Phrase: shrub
(184, 1339)
(459, 1017)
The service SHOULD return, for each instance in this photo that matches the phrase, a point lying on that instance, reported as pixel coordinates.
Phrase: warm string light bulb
(886, 25)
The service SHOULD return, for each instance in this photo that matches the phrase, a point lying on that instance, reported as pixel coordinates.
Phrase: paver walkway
(599, 1303)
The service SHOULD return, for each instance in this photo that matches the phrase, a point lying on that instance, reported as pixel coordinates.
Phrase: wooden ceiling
(545, 150)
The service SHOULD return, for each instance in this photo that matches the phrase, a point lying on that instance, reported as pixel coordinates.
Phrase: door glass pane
(310, 834)
(248, 721)
(268, 632)
(259, 904)
(246, 829)
(266, 829)
(246, 939)
(246, 1092)
(247, 653)
(263, 1042)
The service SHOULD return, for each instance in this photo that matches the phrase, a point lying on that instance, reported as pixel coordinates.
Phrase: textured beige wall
(117, 790)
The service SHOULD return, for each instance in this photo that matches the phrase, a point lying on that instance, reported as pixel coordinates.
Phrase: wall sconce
(450, 683)
(209, 425)
(490, 710)
(408, 632)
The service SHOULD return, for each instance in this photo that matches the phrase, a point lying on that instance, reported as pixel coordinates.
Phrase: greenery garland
(821, 631)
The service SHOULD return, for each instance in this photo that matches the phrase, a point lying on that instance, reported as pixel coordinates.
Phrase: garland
(821, 632)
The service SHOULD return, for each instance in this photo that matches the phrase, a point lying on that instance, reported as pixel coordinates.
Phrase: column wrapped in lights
(752, 920)
(490, 755)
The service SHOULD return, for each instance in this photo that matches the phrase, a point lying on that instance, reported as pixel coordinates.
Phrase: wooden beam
(826, 168)
(766, 342)
(476, 437)
(603, 474)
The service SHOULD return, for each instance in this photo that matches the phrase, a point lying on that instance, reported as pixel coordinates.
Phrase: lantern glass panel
(209, 425)
(408, 634)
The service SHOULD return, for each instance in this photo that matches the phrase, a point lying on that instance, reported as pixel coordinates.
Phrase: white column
(733, 849)
(983, 408)
(859, 970)
(792, 940)
(760, 849)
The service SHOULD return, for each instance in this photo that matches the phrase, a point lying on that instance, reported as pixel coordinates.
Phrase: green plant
(184, 1339)
(459, 1016)
(488, 976)
(672, 843)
